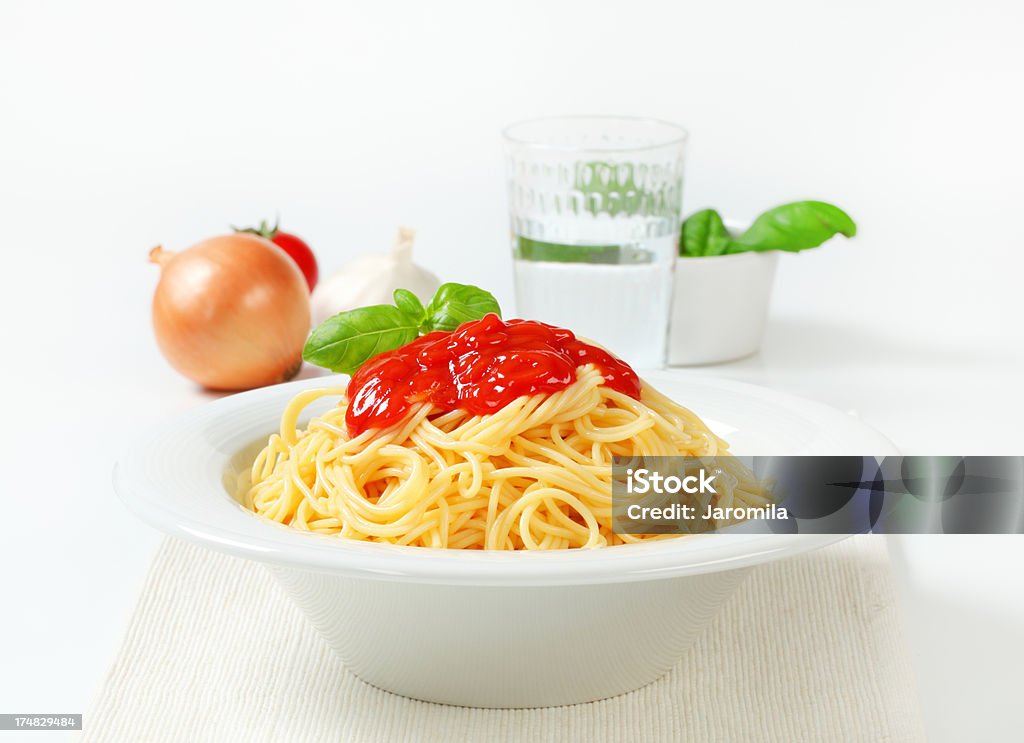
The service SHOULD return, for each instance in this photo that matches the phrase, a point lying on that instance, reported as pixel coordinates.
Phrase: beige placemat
(808, 650)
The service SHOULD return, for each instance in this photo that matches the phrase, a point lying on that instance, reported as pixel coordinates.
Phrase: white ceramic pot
(719, 307)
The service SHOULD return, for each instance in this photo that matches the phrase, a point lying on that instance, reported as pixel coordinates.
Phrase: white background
(127, 124)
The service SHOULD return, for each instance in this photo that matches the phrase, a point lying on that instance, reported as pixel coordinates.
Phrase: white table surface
(125, 124)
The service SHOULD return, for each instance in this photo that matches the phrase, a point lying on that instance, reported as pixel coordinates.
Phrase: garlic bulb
(372, 279)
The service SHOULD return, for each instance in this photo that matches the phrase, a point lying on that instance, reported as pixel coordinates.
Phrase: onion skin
(231, 312)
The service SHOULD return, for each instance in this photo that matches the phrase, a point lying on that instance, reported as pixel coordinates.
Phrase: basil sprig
(791, 227)
(344, 342)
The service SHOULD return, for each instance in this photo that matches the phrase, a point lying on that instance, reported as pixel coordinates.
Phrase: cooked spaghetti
(534, 474)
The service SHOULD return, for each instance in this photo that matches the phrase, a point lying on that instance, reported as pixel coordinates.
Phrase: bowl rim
(141, 479)
(748, 256)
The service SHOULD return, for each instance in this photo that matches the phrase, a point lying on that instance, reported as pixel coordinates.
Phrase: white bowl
(484, 629)
(719, 307)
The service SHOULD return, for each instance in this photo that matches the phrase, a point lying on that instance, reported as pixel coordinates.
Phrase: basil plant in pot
(724, 274)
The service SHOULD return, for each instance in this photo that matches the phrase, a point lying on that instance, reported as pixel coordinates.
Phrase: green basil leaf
(797, 226)
(703, 233)
(342, 343)
(410, 305)
(454, 304)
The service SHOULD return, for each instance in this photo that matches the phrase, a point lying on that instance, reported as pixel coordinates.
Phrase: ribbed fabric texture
(809, 649)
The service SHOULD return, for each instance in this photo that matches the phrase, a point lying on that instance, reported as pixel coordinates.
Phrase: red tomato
(296, 248)
(300, 252)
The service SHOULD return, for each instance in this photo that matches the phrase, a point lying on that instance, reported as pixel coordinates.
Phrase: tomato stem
(264, 230)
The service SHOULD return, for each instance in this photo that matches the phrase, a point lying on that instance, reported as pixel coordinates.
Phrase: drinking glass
(595, 204)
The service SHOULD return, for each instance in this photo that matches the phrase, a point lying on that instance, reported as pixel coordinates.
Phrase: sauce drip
(481, 366)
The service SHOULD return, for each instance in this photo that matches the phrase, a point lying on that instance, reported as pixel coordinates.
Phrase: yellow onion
(231, 312)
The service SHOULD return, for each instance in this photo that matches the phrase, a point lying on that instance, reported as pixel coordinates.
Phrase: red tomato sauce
(481, 366)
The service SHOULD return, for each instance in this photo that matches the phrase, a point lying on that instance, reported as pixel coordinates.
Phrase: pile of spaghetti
(535, 474)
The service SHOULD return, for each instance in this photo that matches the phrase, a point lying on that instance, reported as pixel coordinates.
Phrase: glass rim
(681, 134)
